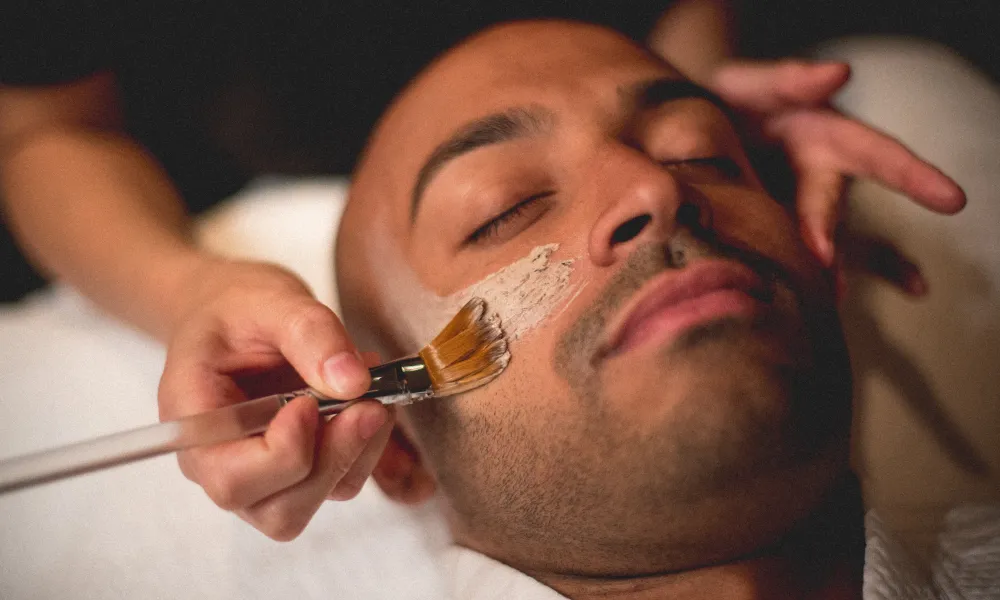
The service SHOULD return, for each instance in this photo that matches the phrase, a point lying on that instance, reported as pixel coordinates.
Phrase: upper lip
(673, 287)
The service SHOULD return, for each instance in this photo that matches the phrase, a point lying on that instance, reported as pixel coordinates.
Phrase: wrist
(166, 288)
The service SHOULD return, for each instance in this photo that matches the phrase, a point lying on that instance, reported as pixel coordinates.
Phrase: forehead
(577, 71)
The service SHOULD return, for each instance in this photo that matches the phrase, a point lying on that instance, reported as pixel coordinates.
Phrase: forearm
(94, 209)
(696, 36)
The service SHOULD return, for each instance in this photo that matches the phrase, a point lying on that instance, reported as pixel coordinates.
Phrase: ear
(401, 473)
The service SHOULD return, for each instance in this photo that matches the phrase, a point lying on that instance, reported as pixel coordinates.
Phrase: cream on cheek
(524, 294)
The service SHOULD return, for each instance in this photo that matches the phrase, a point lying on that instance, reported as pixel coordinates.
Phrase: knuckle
(166, 396)
(223, 493)
(286, 533)
(282, 525)
(188, 467)
(347, 489)
(295, 458)
(306, 321)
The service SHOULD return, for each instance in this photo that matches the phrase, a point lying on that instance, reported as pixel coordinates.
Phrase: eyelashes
(521, 210)
(698, 170)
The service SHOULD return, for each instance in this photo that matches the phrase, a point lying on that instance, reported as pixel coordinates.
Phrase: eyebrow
(521, 122)
(511, 124)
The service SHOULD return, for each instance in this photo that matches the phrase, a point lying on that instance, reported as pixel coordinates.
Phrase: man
(678, 425)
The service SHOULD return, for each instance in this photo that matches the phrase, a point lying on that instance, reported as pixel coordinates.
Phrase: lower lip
(668, 323)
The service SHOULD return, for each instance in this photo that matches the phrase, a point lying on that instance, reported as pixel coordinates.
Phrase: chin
(726, 403)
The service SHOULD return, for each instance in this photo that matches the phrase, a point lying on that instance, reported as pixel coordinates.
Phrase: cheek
(416, 314)
(528, 401)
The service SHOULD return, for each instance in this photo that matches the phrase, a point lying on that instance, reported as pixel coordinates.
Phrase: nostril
(689, 216)
(629, 229)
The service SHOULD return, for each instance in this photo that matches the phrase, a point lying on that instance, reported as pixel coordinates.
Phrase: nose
(643, 203)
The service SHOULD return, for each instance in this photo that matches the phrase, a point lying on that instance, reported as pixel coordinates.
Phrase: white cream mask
(523, 294)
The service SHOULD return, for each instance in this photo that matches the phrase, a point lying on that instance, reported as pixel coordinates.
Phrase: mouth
(674, 302)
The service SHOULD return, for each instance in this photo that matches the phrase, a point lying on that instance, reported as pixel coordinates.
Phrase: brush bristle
(469, 352)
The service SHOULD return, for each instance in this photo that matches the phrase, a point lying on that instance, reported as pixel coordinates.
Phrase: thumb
(767, 87)
(313, 340)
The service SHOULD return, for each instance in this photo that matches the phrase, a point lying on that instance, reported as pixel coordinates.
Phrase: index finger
(856, 149)
(770, 87)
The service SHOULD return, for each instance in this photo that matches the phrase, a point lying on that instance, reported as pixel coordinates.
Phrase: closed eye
(529, 208)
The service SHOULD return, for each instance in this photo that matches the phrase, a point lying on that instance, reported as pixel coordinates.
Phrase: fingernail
(825, 249)
(370, 423)
(345, 373)
(946, 191)
(829, 252)
(831, 65)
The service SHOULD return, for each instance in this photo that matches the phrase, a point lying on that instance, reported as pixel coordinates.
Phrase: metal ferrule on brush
(398, 382)
(406, 377)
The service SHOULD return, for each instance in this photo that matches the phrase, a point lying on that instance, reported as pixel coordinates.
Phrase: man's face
(687, 398)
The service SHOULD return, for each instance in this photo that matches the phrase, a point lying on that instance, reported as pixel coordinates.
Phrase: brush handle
(220, 425)
(398, 382)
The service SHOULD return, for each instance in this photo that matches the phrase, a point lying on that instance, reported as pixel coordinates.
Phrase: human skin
(680, 460)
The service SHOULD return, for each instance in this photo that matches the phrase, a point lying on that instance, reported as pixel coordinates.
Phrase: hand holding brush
(469, 352)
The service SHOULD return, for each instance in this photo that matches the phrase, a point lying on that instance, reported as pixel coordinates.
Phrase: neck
(821, 558)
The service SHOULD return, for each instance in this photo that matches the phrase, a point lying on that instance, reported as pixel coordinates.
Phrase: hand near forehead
(788, 103)
(255, 330)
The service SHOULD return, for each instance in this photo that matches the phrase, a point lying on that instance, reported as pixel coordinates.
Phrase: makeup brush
(469, 352)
